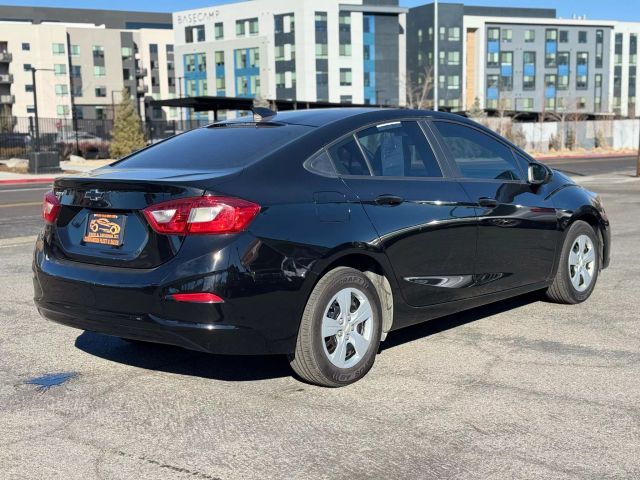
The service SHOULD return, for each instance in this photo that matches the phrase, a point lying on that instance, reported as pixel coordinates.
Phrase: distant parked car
(70, 137)
(14, 140)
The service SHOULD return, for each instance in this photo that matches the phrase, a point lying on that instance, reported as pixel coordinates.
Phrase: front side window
(398, 149)
(478, 155)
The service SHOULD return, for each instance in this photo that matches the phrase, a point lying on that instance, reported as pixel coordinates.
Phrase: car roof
(324, 116)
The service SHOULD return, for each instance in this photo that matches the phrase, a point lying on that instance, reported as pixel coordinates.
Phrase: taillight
(201, 215)
(197, 297)
(50, 207)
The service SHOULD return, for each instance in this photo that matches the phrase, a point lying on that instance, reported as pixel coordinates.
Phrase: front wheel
(579, 265)
(340, 330)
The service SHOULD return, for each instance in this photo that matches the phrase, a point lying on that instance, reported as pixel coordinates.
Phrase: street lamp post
(35, 102)
(436, 58)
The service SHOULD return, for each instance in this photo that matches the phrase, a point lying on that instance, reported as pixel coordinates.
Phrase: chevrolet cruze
(312, 234)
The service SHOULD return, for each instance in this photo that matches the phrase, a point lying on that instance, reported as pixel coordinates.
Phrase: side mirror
(538, 174)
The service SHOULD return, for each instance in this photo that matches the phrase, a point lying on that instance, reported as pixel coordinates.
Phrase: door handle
(391, 200)
(488, 202)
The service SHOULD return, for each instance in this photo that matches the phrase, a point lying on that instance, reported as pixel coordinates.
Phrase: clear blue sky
(593, 9)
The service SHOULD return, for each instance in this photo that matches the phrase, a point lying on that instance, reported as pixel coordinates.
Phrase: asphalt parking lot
(520, 389)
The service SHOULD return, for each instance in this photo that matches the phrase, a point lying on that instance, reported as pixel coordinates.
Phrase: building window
(321, 21)
(582, 36)
(493, 34)
(58, 49)
(618, 50)
(529, 36)
(563, 70)
(345, 77)
(101, 92)
(346, 99)
(322, 50)
(582, 70)
(599, 47)
(493, 91)
(219, 58)
(253, 26)
(240, 28)
(529, 70)
(62, 90)
(218, 31)
(345, 49)
(60, 69)
(564, 36)
(506, 71)
(26, 67)
(453, 82)
(453, 58)
(633, 49)
(75, 50)
(194, 34)
(127, 53)
(550, 48)
(26, 47)
(28, 88)
(98, 52)
(454, 34)
(76, 71)
(507, 35)
(31, 109)
(99, 71)
(527, 103)
(493, 47)
(582, 103)
(62, 110)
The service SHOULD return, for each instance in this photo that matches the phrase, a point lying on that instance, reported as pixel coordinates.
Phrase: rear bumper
(221, 339)
(260, 314)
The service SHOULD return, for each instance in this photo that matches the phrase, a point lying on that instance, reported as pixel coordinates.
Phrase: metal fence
(91, 139)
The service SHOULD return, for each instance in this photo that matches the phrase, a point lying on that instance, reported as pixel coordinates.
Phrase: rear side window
(477, 155)
(399, 149)
(215, 148)
(348, 158)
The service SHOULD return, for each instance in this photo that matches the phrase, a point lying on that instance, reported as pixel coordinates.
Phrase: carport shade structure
(214, 104)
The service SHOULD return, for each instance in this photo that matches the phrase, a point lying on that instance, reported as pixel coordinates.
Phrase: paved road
(521, 389)
(594, 166)
(20, 207)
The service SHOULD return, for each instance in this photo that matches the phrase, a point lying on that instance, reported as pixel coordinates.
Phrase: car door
(424, 219)
(517, 223)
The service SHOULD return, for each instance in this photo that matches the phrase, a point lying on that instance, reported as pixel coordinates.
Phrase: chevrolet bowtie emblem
(93, 195)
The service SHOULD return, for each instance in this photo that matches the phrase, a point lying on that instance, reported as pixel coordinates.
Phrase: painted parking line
(25, 204)
(17, 241)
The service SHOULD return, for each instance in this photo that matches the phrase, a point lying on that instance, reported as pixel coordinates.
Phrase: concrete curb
(20, 181)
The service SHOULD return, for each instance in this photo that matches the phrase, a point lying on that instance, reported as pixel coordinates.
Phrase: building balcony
(6, 78)
(141, 72)
(7, 99)
(142, 89)
(5, 57)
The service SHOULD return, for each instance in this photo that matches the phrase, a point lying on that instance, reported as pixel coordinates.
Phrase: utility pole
(74, 118)
(436, 58)
(181, 109)
(638, 159)
(35, 108)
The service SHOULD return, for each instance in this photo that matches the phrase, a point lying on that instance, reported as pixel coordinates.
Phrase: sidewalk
(73, 166)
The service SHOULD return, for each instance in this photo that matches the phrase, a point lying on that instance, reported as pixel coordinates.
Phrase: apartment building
(83, 61)
(524, 59)
(347, 51)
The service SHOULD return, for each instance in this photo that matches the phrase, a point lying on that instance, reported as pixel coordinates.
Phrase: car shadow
(170, 359)
(431, 327)
(242, 368)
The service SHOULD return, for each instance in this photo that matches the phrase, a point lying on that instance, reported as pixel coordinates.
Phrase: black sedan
(312, 234)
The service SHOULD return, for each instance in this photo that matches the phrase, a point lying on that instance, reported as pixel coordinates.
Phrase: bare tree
(420, 94)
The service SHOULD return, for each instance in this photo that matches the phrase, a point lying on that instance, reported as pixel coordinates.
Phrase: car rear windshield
(215, 148)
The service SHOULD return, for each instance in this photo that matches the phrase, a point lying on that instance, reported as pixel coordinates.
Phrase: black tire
(309, 360)
(562, 289)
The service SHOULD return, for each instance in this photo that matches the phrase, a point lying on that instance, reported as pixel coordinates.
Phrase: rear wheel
(579, 265)
(340, 330)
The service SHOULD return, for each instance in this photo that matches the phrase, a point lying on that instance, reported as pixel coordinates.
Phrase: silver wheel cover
(582, 263)
(347, 328)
